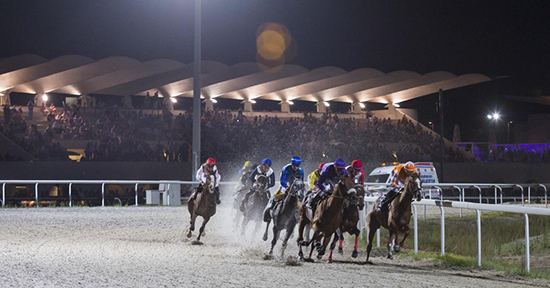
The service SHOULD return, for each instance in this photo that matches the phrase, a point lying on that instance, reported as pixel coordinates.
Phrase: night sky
(508, 39)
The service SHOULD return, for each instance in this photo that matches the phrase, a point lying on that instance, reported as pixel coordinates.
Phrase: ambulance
(382, 174)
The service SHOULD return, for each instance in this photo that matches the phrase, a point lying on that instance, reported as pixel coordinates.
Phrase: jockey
(202, 173)
(355, 172)
(398, 176)
(330, 175)
(244, 172)
(289, 173)
(264, 169)
(314, 177)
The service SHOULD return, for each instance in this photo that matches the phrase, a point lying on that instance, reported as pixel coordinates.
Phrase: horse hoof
(264, 238)
(203, 234)
(189, 234)
(329, 261)
(354, 254)
(319, 256)
(390, 257)
(301, 258)
(396, 248)
(340, 251)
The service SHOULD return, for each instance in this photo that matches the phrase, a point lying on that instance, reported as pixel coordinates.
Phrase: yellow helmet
(247, 164)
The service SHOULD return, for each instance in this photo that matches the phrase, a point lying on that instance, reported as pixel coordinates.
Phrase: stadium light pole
(441, 135)
(197, 90)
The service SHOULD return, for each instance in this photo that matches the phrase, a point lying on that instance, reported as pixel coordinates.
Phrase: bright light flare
(253, 101)
(327, 104)
(214, 101)
(290, 102)
(494, 116)
(362, 105)
(44, 97)
(174, 100)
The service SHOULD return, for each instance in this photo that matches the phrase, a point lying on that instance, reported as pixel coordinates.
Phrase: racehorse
(350, 217)
(240, 191)
(204, 205)
(255, 205)
(397, 219)
(285, 215)
(327, 218)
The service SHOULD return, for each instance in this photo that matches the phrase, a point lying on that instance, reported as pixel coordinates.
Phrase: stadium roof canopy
(122, 76)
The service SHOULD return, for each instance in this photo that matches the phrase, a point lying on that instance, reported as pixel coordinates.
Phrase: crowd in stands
(131, 135)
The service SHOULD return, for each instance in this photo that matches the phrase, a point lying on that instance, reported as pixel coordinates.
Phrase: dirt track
(147, 247)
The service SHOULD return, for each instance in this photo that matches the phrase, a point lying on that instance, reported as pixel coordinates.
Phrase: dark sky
(495, 38)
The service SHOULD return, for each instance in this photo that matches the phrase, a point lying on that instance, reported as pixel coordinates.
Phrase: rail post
(415, 229)
(36, 194)
(70, 194)
(137, 194)
(478, 213)
(527, 258)
(545, 195)
(522, 197)
(103, 195)
(3, 194)
(442, 230)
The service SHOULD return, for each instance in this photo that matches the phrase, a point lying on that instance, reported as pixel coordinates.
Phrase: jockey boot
(383, 205)
(217, 192)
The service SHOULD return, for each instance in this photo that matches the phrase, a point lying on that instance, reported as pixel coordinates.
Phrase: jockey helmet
(357, 165)
(340, 163)
(409, 166)
(247, 164)
(321, 166)
(211, 161)
(266, 161)
(295, 161)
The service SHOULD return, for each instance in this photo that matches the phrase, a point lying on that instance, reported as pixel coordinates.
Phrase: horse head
(413, 185)
(360, 195)
(260, 184)
(296, 189)
(347, 188)
(210, 183)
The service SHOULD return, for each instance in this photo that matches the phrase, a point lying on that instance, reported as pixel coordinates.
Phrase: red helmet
(210, 161)
(321, 166)
(357, 164)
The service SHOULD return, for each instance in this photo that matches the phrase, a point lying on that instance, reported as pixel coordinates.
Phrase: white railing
(467, 205)
(102, 182)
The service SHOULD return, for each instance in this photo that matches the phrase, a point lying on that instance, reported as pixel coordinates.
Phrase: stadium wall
(454, 172)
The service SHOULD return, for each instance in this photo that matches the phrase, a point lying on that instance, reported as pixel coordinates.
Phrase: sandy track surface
(147, 247)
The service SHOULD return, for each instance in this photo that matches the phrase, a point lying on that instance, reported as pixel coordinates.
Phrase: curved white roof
(79, 75)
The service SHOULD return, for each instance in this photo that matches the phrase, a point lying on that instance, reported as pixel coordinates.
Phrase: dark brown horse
(397, 219)
(254, 207)
(350, 218)
(204, 205)
(327, 218)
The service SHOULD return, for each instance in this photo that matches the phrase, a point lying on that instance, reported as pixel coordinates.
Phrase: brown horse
(350, 218)
(254, 207)
(327, 218)
(204, 205)
(397, 219)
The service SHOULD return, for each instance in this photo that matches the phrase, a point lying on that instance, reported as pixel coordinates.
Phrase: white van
(381, 174)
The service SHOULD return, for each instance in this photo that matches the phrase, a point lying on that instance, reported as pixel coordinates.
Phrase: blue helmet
(296, 161)
(266, 161)
(339, 163)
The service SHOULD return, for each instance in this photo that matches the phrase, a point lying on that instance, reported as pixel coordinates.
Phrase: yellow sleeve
(313, 178)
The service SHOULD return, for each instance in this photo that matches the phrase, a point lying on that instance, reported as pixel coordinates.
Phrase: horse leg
(266, 229)
(243, 225)
(406, 233)
(391, 239)
(355, 253)
(192, 225)
(373, 227)
(332, 245)
(285, 241)
(300, 239)
(201, 230)
(323, 248)
(313, 239)
(341, 241)
(275, 237)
